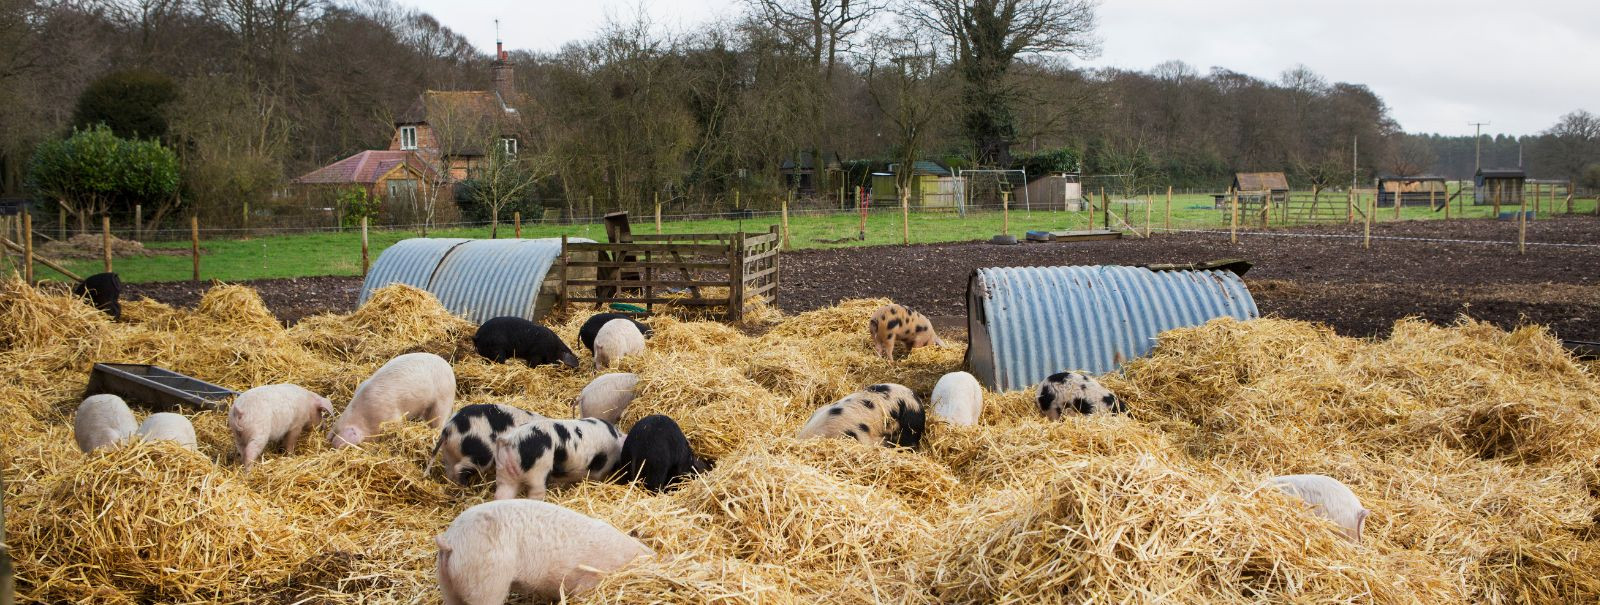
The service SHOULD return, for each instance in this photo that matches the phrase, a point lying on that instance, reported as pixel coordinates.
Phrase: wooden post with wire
(1167, 225)
(1149, 207)
(905, 217)
(1397, 198)
(138, 222)
(27, 246)
(194, 244)
(1005, 213)
(516, 224)
(1522, 225)
(365, 259)
(1432, 203)
(786, 244)
(658, 213)
(1370, 209)
(1499, 187)
(1088, 200)
(1105, 210)
(1233, 228)
(1569, 196)
(105, 239)
(861, 209)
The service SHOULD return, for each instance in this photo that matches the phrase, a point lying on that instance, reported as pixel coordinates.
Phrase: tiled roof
(365, 167)
(459, 104)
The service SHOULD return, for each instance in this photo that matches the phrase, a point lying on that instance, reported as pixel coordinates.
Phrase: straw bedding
(1477, 449)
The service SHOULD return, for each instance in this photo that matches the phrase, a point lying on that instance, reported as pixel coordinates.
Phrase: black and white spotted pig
(104, 290)
(657, 453)
(548, 453)
(881, 414)
(892, 324)
(1077, 392)
(466, 445)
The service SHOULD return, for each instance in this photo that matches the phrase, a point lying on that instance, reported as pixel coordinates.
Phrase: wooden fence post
(1371, 209)
(1088, 200)
(138, 222)
(861, 207)
(786, 244)
(1522, 225)
(194, 244)
(27, 246)
(516, 224)
(905, 217)
(365, 262)
(1350, 207)
(1167, 226)
(1105, 210)
(1149, 206)
(1005, 213)
(1569, 196)
(658, 213)
(247, 218)
(1233, 229)
(1499, 188)
(105, 239)
(1397, 197)
(61, 227)
(736, 276)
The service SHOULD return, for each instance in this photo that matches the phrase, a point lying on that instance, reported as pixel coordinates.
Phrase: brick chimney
(505, 82)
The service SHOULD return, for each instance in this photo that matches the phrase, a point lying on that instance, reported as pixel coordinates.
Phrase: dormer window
(508, 145)
(408, 137)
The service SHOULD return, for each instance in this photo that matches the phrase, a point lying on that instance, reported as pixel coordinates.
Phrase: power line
(1477, 159)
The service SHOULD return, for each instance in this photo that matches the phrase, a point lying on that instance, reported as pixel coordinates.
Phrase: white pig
(420, 386)
(607, 396)
(102, 420)
(170, 427)
(537, 548)
(958, 399)
(275, 412)
(1329, 498)
(617, 339)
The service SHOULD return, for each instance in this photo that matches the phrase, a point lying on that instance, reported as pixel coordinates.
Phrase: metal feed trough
(155, 387)
(1026, 323)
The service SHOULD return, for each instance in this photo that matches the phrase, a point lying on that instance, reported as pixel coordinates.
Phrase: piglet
(1329, 498)
(102, 420)
(892, 324)
(104, 290)
(958, 399)
(537, 548)
(415, 385)
(549, 453)
(591, 327)
(504, 338)
(466, 445)
(881, 414)
(657, 453)
(1078, 392)
(169, 427)
(607, 396)
(275, 412)
(617, 339)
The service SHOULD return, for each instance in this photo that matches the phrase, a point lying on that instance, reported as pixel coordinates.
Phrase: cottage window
(402, 191)
(509, 145)
(408, 137)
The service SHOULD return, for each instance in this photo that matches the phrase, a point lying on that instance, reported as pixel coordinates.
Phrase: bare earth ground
(1298, 273)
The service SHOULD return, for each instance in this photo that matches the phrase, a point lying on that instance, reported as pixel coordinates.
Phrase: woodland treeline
(251, 93)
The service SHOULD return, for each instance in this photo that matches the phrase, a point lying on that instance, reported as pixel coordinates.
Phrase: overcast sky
(1436, 63)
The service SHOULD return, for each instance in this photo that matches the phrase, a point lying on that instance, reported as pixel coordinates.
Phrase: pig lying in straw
(893, 324)
(881, 414)
(1077, 392)
(274, 412)
(1329, 498)
(607, 396)
(505, 338)
(957, 399)
(102, 420)
(166, 426)
(657, 454)
(466, 445)
(617, 339)
(548, 453)
(534, 548)
(415, 385)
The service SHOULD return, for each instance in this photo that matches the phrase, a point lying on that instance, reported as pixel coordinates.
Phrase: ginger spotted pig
(892, 324)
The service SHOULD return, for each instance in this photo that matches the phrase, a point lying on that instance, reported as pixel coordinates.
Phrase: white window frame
(408, 137)
(508, 145)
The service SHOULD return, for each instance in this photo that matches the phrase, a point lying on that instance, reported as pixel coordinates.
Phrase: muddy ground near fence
(1316, 274)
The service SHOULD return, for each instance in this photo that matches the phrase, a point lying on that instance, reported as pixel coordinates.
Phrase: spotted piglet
(549, 453)
(892, 324)
(882, 414)
(466, 445)
(1078, 392)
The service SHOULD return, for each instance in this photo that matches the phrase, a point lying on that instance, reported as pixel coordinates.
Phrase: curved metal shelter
(478, 278)
(1026, 323)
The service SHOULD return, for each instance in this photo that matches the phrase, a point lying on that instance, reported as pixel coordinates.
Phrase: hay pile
(1477, 449)
(93, 245)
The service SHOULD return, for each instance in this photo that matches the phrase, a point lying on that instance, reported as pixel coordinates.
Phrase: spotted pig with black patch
(881, 414)
(466, 445)
(1078, 392)
(892, 324)
(548, 453)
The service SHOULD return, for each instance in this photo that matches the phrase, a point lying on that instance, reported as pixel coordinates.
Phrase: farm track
(1324, 279)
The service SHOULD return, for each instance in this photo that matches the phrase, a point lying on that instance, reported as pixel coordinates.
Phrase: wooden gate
(705, 270)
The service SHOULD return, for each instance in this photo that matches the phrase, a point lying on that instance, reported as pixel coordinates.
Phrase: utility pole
(1477, 141)
(1355, 148)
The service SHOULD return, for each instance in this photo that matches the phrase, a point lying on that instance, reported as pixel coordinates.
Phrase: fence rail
(647, 270)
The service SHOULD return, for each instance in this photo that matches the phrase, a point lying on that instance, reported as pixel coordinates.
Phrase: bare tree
(905, 82)
(987, 37)
(1408, 155)
(1571, 145)
(502, 178)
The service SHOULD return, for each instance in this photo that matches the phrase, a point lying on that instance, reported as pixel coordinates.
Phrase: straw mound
(1477, 449)
(88, 245)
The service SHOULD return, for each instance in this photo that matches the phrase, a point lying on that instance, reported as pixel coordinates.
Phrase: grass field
(313, 254)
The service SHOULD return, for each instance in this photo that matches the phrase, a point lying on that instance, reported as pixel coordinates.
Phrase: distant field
(316, 254)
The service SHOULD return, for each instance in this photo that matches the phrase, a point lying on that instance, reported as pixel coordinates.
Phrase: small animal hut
(1413, 190)
(1259, 191)
(637, 272)
(481, 279)
(1499, 186)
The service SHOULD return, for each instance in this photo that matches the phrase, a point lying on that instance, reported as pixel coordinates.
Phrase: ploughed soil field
(1316, 274)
